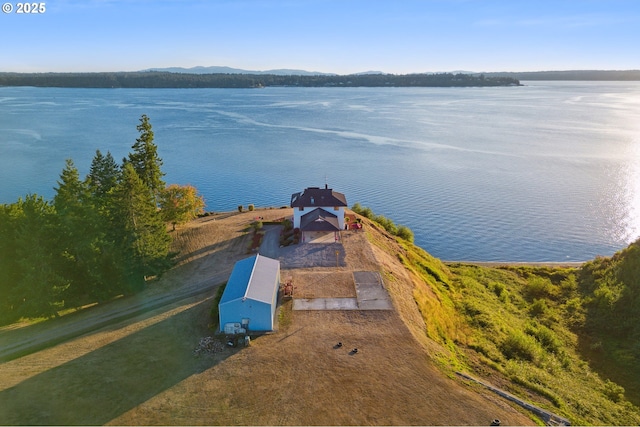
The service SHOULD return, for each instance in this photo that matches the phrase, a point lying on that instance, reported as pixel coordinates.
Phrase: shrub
(545, 336)
(240, 208)
(498, 288)
(365, 212)
(251, 207)
(613, 391)
(405, 233)
(401, 231)
(539, 287)
(520, 346)
(538, 308)
(386, 223)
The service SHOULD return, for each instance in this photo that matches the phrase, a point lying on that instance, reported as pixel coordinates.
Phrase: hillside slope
(565, 339)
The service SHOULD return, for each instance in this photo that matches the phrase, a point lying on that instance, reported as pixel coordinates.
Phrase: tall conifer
(79, 237)
(40, 288)
(143, 235)
(145, 159)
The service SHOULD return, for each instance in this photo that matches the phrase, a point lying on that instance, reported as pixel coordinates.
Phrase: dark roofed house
(318, 211)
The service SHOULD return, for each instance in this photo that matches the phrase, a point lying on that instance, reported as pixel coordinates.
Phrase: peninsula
(159, 79)
(522, 331)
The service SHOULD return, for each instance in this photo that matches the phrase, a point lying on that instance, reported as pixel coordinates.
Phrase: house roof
(315, 196)
(319, 220)
(253, 278)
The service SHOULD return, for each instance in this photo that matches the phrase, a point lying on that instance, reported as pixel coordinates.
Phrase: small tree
(180, 204)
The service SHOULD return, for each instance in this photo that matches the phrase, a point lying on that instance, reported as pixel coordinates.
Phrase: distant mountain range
(228, 70)
(277, 72)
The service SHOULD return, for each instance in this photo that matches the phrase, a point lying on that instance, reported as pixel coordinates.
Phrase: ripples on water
(545, 172)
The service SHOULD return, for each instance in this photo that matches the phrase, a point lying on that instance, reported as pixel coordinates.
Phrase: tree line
(580, 75)
(159, 79)
(99, 237)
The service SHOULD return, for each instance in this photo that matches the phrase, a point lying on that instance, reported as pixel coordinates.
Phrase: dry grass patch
(331, 284)
(298, 377)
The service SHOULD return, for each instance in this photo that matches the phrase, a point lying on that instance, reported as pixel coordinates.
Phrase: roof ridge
(253, 269)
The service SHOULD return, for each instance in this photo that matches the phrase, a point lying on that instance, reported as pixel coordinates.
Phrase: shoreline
(569, 264)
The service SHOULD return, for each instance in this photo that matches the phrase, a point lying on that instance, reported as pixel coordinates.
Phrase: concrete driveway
(302, 255)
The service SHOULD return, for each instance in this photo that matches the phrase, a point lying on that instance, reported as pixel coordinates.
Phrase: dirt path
(208, 249)
(20, 342)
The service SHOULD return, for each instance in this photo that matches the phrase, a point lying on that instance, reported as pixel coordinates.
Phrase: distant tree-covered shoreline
(157, 79)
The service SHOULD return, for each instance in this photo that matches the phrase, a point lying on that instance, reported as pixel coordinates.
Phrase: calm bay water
(545, 172)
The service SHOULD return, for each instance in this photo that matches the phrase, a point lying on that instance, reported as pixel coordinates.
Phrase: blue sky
(341, 36)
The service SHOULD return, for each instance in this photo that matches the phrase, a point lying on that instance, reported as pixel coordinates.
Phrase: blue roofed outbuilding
(251, 295)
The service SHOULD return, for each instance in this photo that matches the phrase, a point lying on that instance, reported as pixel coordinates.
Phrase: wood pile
(209, 345)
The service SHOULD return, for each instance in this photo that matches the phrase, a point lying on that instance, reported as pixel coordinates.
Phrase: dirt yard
(143, 371)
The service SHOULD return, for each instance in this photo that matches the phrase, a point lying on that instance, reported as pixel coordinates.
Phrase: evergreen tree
(145, 159)
(103, 175)
(79, 235)
(71, 193)
(39, 289)
(143, 238)
(9, 273)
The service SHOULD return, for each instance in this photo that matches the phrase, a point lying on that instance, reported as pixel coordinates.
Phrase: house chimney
(326, 186)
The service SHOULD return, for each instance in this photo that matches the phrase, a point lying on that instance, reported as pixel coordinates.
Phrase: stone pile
(209, 345)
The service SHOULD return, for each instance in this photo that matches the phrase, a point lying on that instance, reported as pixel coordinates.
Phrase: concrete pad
(325, 304)
(370, 291)
(376, 304)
